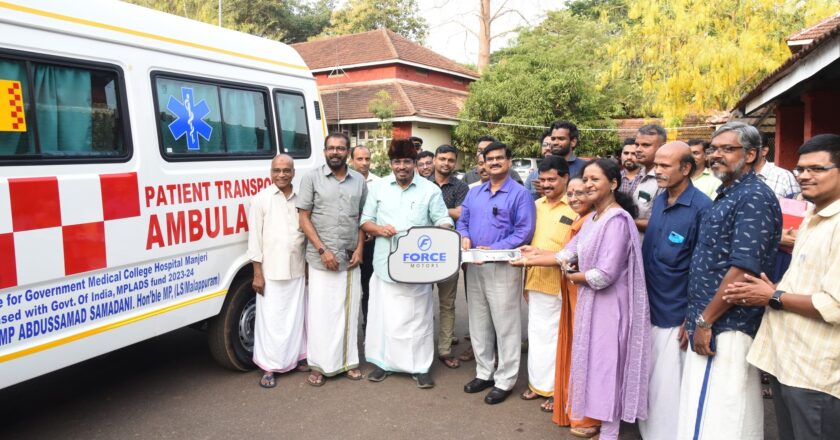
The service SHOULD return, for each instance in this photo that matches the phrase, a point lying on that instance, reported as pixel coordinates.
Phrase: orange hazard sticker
(12, 116)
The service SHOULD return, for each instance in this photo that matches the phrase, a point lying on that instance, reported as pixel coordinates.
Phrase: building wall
(357, 75)
(408, 73)
(431, 77)
(433, 135)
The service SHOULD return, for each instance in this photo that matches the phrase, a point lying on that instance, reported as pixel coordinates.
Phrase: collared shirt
(554, 224)
(646, 192)
(780, 180)
(504, 220)
(371, 177)
(335, 206)
(803, 352)
(534, 176)
(454, 191)
(274, 235)
(670, 238)
(628, 186)
(421, 204)
(575, 165)
(707, 183)
(742, 229)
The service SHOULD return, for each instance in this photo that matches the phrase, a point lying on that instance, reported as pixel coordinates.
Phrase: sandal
(353, 374)
(528, 394)
(450, 361)
(467, 355)
(303, 367)
(315, 379)
(548, 405)
(585, 432)
(267, 380)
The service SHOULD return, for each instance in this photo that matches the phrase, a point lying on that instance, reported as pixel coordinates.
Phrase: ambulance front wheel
(231, 333)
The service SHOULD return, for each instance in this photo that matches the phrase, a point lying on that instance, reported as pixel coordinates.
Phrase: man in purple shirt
(498, 214)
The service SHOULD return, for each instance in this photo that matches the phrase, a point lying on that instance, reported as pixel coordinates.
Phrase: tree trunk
(484, 36)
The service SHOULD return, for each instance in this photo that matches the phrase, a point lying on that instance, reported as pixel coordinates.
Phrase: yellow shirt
(707, 183)
(551, 234)
(803, 352)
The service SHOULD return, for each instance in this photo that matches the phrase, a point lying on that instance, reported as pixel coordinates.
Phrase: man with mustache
(670, 239)
(399, 336)
(648, 139)
(329, 204)
(630, 175)
(533, 181)
(472, 175)
(703, 179)
(721, 393)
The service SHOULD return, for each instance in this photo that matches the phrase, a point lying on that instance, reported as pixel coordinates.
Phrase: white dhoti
(279, 333)
(666, 369)
(721, 395)
(543, 323)
(332, 318)
(399, 336)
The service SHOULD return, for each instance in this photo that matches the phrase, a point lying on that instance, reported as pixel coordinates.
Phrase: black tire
(231, 330)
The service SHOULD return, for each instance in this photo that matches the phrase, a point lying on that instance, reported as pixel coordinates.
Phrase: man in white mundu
(275, 248)
(399, 336)
(329, 202)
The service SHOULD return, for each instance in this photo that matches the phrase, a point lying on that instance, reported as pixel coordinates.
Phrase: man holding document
(498, 214)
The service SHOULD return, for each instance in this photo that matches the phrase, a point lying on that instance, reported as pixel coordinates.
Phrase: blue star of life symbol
(189, 118)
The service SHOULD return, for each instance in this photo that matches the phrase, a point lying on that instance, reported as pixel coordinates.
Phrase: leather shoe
(496, 395)
(477, 385)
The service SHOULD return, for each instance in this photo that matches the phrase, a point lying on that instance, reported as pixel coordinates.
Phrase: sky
(449, 20)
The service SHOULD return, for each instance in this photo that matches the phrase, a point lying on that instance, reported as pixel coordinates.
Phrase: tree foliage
(550, 72)
(383, 107)
(696, 56)
(400, 16)
(289, 21)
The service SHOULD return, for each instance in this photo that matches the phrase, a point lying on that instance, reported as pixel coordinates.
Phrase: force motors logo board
(425, 254)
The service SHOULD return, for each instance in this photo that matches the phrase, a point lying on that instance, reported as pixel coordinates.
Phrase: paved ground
(169, 387)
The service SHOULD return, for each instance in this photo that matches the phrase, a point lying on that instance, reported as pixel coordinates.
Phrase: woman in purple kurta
(610, 350)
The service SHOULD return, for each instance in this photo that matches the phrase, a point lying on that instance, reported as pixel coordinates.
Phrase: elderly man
(630, 172)
(472, 175)
(703, 179)
(669, 242)
(453, 191)
(330, 202)
(400, 329)
(275, 248)
(498, 214)
(720, 396)
(798, 342)
(648, 139)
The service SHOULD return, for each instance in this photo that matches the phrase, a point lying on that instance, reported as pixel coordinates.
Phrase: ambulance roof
(142, 27)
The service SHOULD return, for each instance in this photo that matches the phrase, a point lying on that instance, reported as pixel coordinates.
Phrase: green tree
(289, 21)
(550, 72)
(400, 16)
(383, 108)
(696, 56)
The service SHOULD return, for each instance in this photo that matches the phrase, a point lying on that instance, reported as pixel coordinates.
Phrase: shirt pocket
(672, 253)
(501, 218)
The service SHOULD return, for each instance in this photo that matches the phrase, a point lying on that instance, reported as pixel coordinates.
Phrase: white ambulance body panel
(104, 246)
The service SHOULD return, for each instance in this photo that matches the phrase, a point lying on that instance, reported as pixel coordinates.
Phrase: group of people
(657, 284)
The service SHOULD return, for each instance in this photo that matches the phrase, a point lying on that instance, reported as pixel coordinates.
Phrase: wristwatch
(702, 322)
(775, 302)
(321, 250)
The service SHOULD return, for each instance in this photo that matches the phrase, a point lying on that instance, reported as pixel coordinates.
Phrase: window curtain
(64, 112)
(242, 121)
(288, 113)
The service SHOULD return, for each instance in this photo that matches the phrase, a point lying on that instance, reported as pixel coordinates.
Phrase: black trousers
(803, 414)
(367, 271)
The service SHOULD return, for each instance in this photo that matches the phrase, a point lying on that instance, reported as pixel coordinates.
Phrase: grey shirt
(335, 207)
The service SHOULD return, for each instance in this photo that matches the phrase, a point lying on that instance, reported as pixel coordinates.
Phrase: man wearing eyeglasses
(498, 214)
(329, 204)
(798, 342)
(399, 337)
(721, 393)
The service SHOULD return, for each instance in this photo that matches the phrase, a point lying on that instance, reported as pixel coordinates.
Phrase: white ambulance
(131, 142)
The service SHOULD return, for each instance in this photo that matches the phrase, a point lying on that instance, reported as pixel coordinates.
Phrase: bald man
(669, 242)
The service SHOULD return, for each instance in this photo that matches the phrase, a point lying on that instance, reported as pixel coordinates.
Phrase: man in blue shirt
(721, 395)
(564, 136)
(670, 239)
(498, 214)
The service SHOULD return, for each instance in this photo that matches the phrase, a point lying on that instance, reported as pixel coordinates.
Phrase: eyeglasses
(797, 171)
(335, 149)
(727, 149)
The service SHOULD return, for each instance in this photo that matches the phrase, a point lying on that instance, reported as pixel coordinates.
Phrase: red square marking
(11, 91)
(17, 97)
(84, 247)
(35, 203)
(16, 85)
(20, 120)
(15, 126)
(12, 102)
(120, 195)
(18, 109)
(8, 264)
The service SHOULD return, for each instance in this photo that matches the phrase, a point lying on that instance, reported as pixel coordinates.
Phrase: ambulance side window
(200, 118)
(60, 110)
(292, 124)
